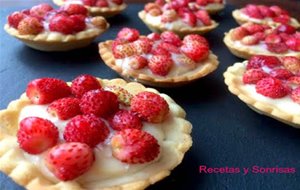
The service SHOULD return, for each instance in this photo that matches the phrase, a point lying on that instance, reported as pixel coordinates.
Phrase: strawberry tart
(176, 16)
(46, 29)
(105, 8)
(251, 39)
(91, 134)
(261, 14)
(162, 60)
(269, 85)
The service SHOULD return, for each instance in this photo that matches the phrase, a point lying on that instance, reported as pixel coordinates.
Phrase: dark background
(225, 131)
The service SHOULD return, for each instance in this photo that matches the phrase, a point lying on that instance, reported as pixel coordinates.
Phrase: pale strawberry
(250, 40)
(15, 18)
(87, 129)
(170, 37)
(46, 90)
(155, 12)
(204, 17)
(99, 102)
(169, 16)
(292, 64)
(83, 84)
(239, 33)
(124, 119)
(150, 107)
(30, 26)
(64, 108)
(137, 62)
(186, 61)
(295, 95)
(124, 50)
(128, 34)
(142, 46)
(40, 10)
(160, 64)
(196, 51)
(124, 97)
(271, 87)
(35, 135)
(68, 161)
(134, 146)
(252, 76)
(150, 6)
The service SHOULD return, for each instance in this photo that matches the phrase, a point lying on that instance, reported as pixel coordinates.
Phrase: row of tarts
(94, 133)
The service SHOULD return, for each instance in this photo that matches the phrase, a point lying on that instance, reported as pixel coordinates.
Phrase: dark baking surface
(225, 131)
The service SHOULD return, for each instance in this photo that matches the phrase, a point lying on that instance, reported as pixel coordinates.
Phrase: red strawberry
(30, 26)
(202, 2)
(137, 62)
(204, 17)
(89, 2)
(74, 9)
(258, 61)
(99, 102)
(15, 18)
(68, 161)
(277, 47)
(79, 22)
(197, 38)
(40, 10)
(284, 37)
(124, 97)
(128, 34)
(64, 108)
(142, 45)
(124, 119)
(101, 3)
(189, 18)
(83, 84)
(271, 87)
(260, 36)
(295, 95)
(170, 37)
(118, 2)
(266, 11)
(87, 129)
(284, 28)
(196, 51)
(134, 146)
(239, 33)
(294, 80)
(46, 90)
(252, 76)
(254, 28)
(169, 47)
(280, 73)
(283, 19)
(62, 23)
(160, 64)
(160, 51)
(153, 36)
(250, 40)
(35, 135)
(150, 107)
(252, 11)
(278, 10)
(293, 43)
(291, 63)
(124, 50)
(273, 38)
(183, 3)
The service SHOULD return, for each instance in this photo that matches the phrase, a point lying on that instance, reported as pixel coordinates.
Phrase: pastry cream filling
(105, 165)
(284, 104)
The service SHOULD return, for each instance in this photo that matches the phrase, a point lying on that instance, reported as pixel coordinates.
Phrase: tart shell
(55, 41)
(99, 11)
(239, 18)
(181, 32)
(233, 79)
(247, 51)
(134, 75)
(26, 174)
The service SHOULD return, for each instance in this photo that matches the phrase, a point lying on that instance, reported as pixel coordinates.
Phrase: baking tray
(225, 131)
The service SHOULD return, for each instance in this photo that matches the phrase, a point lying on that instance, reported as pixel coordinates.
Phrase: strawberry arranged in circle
(252, 76)
(138, 62)
(40, 10)
(134, 146)
(87, 129)
(66, 24)
(30, 26)
(68, 161)
(99, 102)
(195, 50)
(15, 18)
(271, 87)
(83, 84)
(142, 45)
(36, 135)
(124, 119)
(150, 107)
(64, 108)
(128, 34)
(124, 97)
(170, 37)
(46, 90)
(74, 9)
(160, 64)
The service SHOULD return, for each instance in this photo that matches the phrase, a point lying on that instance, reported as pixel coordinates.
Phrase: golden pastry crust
(242, 19)
(202, 70)
(182, 31)
(246, 52)
(54, 41)
(28, 175)
(233, 79)
(99, 11)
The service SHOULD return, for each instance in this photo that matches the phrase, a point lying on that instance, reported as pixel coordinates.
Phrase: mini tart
(242, 18)
(99, 11)
(246, 51)
(179, 29)
(233, 79)
(25, 173)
